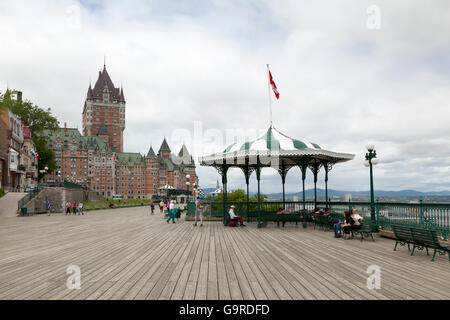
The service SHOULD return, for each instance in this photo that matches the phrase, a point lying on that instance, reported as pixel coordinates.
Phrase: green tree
(38, 120)
(238, 195)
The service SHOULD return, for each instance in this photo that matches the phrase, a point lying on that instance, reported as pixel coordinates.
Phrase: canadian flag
(274, 86)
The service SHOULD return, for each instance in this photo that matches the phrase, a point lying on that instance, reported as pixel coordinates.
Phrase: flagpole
(270, 100)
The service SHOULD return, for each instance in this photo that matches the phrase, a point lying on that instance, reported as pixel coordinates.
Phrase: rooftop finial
(104, 61)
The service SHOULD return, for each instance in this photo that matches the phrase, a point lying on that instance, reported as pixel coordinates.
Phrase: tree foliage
(238, 195)
(38, 120)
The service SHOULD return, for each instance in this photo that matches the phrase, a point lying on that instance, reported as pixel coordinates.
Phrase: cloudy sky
(349, 73)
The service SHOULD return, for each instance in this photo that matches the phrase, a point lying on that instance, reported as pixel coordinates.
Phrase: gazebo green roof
(272, 140)
(273, 143)
(131, 158)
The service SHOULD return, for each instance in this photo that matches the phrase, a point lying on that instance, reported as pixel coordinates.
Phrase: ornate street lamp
(187, 185)
(371, 159)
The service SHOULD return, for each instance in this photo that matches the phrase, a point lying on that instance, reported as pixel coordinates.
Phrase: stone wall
(57, 197)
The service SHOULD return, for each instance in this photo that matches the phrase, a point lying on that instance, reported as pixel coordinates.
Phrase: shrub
(2, 192)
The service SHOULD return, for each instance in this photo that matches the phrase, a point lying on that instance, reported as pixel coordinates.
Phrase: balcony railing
(435, 216)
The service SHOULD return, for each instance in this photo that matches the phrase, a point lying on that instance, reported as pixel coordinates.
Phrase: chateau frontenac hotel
(95, 159)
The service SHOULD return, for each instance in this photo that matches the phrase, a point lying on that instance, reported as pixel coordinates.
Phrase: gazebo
(166, 188)
(277, 150)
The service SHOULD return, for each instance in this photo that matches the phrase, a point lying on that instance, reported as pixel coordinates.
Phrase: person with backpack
(152, 207)
(47, 207)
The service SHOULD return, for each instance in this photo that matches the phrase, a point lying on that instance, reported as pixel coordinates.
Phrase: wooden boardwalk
(130, 254)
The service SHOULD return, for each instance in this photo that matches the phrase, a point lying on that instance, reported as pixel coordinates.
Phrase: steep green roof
(73, 136)
(151, 153)
(130, 158)
(164, 146)
(169, 165)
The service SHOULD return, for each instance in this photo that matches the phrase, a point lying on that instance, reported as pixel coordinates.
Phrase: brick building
(96, 158)
(28, 159)
(4, 146)
(12, 169)
(104, 109)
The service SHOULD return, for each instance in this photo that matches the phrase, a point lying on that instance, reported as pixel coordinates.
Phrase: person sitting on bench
(318, 212)
(235, 217)
(283, 211)
(357, 220)
(347, 224)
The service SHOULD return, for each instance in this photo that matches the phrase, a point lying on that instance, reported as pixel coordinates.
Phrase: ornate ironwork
(315, 168)
(283, 169)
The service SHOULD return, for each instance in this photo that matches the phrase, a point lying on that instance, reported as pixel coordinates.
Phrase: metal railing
(29, 196)
(435, 216)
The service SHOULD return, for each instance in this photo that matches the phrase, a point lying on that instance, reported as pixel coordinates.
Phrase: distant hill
(331, 192)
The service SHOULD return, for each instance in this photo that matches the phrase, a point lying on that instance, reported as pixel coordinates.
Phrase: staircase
(8, 204)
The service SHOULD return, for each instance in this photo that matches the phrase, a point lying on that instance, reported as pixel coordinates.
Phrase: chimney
(65, 126)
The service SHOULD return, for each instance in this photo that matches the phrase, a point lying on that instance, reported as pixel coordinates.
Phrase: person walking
(80, 208)
(171, 211)
(161, 206)
(198, 211)
(68, 207)
(152, 207)
(47, 207)
(74, 207)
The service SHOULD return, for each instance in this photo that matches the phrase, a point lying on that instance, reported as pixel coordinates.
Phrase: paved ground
(8, 204)
(129, 254)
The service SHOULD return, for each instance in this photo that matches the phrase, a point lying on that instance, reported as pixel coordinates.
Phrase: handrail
(435, 216)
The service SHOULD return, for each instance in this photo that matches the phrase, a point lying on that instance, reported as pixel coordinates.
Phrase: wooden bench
(366, 230)
(403, 236)
(275, 217)
(322, 222)
(420, 238)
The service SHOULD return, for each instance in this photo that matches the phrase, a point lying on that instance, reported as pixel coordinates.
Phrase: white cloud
(342, 85)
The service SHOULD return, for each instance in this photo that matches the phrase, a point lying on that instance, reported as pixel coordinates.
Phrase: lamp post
(371, 159)
(188, 177)
(43, 172)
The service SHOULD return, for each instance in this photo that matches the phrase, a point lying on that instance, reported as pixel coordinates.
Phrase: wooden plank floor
(130, 254)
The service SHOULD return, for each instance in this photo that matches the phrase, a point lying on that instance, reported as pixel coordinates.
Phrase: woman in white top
(357, 219)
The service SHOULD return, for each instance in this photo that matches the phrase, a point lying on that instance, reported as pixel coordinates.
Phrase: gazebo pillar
(283, 170)
(223, 171)
(247, 172)
(303, 167)
(258, 177)
(315, 167)
(327, 166)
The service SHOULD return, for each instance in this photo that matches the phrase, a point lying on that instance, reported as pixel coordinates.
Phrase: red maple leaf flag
(274, 86)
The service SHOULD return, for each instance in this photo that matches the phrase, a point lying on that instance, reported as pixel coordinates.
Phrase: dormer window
(105, 97)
